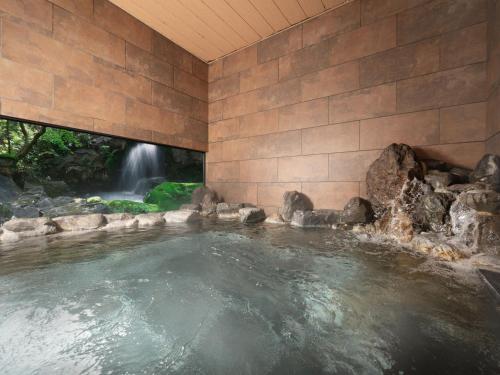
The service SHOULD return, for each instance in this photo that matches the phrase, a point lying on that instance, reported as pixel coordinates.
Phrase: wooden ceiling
(210, 29)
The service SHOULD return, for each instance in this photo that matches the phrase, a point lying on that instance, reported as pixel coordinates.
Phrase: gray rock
(250, 215)
(110, 218)
(190, 207)
(488, 171)
(121, 224)
(387, 175)
(207, 198)
(26, 211)
(439, 180)
(80, 222)
(357, 211)
(18, 229)
(55, 188)
(150, 220)
(8, 189)
(319, 218)
(431, 211)
(181, 216)
(294, 201)
(229, 210)
(482, 200)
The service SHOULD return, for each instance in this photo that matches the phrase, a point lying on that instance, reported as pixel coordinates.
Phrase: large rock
(387, 175)
(488, 171)
(190, 207)
(250, 215)
(315, 219)
(80, 222)
(181, 216)
(431, 211)
(275, 218)
(472, 225)
(8, 189)
(18, 229)
(150, 220)
(111, 218)
(440, 180)
(294, 201)
(229, 210)
(357, 211)
(207, 198)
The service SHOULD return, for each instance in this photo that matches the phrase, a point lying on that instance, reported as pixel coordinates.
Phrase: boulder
(190, 207)
(439, 180)
(8, 189)
(357, 211)
(229, 210)
(479, 230)
(121, 224)
(275, 218)
(387, 175)
(482, 200)
(207, 198)
(26, 211)
(294, 201)
(110, 218)
(488, 171)
(18, 229)
(318, 218)
(181, 216)
(431, 211)
(80, 222)
(250, 215)
(150, 220)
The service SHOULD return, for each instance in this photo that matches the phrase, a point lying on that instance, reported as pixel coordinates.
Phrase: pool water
(231, 299)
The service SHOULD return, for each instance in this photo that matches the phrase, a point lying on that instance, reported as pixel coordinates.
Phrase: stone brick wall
(310, 108)
(493, 129)
(87, 64)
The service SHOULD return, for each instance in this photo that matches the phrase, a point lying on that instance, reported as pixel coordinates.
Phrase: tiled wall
(493, 129)
(309, 109)
(86, 64)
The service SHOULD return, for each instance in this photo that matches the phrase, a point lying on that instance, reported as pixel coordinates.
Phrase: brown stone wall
(493, 128)
(88, 65)
(310, 108)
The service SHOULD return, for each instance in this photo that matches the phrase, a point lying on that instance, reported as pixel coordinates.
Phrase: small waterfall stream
(143, 161)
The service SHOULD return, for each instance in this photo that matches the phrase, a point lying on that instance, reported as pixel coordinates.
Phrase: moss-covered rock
(171, 195)
(120, 206)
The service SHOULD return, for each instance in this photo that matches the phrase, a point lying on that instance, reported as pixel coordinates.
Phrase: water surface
(230, 299)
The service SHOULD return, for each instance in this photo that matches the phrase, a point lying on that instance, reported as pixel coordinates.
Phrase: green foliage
(121, 206)
(171, 195)
(61, 141)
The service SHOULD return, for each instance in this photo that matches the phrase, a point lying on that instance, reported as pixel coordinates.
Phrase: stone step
(492, 280)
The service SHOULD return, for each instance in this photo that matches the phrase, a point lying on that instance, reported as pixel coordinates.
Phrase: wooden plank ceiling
(210, 29)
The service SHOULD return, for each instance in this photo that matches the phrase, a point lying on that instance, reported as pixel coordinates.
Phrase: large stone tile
(305, 60)
(199, 110)
(223, 130)
(331, 138)
(365, 41)
(493, 144)
(419, 128)
(280, 44)
(463, 47)
(493, 114)
(342, 19)
(35, 12)
(240, 61)
(272, 145)
(215, 70)
(224, 88)
(169, 52)
(304, 115)
(259, 170)
(145, 116)
(461, 154)
(144, 63)
(190, 85)
(236, 192)
(214, 152)
(82, 8)
(117, 21)
(261, 75)
(259, 123)
(331, 81)
(463, 123)
(373, 102)
(452, 87)
(351, 166)
(400, 63)
(215, 111)
(172, 100)
(330, 195)
(121, 130)
(374, 10)
(303, 168)
(438, 17)
(223, 172)
(80, 33)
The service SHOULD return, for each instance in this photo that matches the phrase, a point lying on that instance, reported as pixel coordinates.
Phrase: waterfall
(143, 161)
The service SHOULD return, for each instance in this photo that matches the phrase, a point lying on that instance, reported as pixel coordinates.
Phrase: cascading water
(143, 162)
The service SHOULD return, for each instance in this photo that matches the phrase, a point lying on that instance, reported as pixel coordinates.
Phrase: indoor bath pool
(230, 299)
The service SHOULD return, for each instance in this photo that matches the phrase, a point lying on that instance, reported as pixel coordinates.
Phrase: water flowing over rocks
(387, 175)
(294, 201)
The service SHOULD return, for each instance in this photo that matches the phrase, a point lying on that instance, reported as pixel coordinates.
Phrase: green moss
(8, 156)
(171, 195)
(120, 206)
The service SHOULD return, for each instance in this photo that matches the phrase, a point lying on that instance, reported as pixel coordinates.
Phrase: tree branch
(28, 146)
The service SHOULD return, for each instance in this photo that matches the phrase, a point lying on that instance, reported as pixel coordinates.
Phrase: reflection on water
(229, 299)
